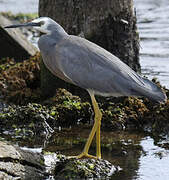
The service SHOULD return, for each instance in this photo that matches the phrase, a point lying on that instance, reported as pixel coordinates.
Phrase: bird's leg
(98, 117)
(98, 148)
(96, 128)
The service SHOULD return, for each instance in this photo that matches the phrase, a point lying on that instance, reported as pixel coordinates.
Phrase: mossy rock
(25, 121)
(21, 17)
(20, 85)
(20, 82)
(62, 110)
(67, 168)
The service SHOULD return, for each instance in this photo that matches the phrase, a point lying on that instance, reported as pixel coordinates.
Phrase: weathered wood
(16, 163)
(13, 43)
(110, 24)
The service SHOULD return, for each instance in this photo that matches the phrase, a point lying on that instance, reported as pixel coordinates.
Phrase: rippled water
(138, 155)
(153, 24)
(155, 164)
(19, 6)
(152, 162)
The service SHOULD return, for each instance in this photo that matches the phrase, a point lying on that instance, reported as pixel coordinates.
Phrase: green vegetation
(82, 168)
(20, 88)
(21, 17)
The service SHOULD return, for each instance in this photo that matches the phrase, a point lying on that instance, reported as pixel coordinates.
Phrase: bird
(83, 63)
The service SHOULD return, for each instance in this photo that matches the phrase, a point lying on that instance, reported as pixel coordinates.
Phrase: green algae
(22, 17)
(24, 120)
(20, 87)
(19, 83)
(119, 148)
(67, 168)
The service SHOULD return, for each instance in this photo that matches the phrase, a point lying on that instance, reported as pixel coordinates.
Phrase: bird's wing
(49, 51)
(91, 67)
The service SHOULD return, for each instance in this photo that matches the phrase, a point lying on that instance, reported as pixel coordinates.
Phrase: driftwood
(13, 43)
(16, 163)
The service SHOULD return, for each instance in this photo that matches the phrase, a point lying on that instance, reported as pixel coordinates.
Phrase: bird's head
(43, 24)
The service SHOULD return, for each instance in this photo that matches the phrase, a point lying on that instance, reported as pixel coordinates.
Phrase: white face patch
(43, 23)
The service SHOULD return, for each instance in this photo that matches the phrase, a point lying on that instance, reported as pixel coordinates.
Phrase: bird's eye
(41, 23)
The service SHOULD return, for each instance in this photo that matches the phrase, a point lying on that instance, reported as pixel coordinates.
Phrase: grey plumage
(83, 63)
(87, 65)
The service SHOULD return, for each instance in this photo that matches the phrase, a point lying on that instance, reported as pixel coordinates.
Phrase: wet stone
(16, 163)
(70, 168)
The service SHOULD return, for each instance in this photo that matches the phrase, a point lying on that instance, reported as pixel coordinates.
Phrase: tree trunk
(110, 24)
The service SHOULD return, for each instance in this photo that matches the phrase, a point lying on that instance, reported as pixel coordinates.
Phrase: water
(151, 164)
(140, 156)
(19, 6)
(153, 27)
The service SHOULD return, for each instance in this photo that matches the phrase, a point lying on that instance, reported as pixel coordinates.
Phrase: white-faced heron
(87, 65)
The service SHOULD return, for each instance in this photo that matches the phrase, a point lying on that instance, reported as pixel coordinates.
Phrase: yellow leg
(95, 129)
(98, 148)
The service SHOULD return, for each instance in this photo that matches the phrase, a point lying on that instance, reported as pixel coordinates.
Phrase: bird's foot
(84, 155)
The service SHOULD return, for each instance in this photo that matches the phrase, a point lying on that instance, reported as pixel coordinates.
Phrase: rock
(16, 163)
(67, 168)
(13, 43)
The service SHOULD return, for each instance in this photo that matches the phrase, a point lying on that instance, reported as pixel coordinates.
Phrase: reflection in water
(135, 153)
(139, 156)
(153, 27)
(155, 164)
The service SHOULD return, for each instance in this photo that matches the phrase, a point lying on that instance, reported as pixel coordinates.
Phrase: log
(13, 43)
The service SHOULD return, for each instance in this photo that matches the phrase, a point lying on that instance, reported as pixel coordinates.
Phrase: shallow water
(138, 154)
(19, 6)
(153, 25)
(155, 164)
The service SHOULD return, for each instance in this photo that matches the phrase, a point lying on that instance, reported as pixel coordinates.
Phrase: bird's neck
(58, 31)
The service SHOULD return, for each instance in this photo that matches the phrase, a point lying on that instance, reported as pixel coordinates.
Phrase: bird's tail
(153, 92)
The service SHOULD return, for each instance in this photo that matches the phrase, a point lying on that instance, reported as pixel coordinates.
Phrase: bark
(110, 24)
(102, 22)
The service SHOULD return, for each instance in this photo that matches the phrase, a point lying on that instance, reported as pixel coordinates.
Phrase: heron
(89, 66)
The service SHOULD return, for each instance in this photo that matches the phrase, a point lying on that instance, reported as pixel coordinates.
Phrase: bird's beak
(29, 24)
